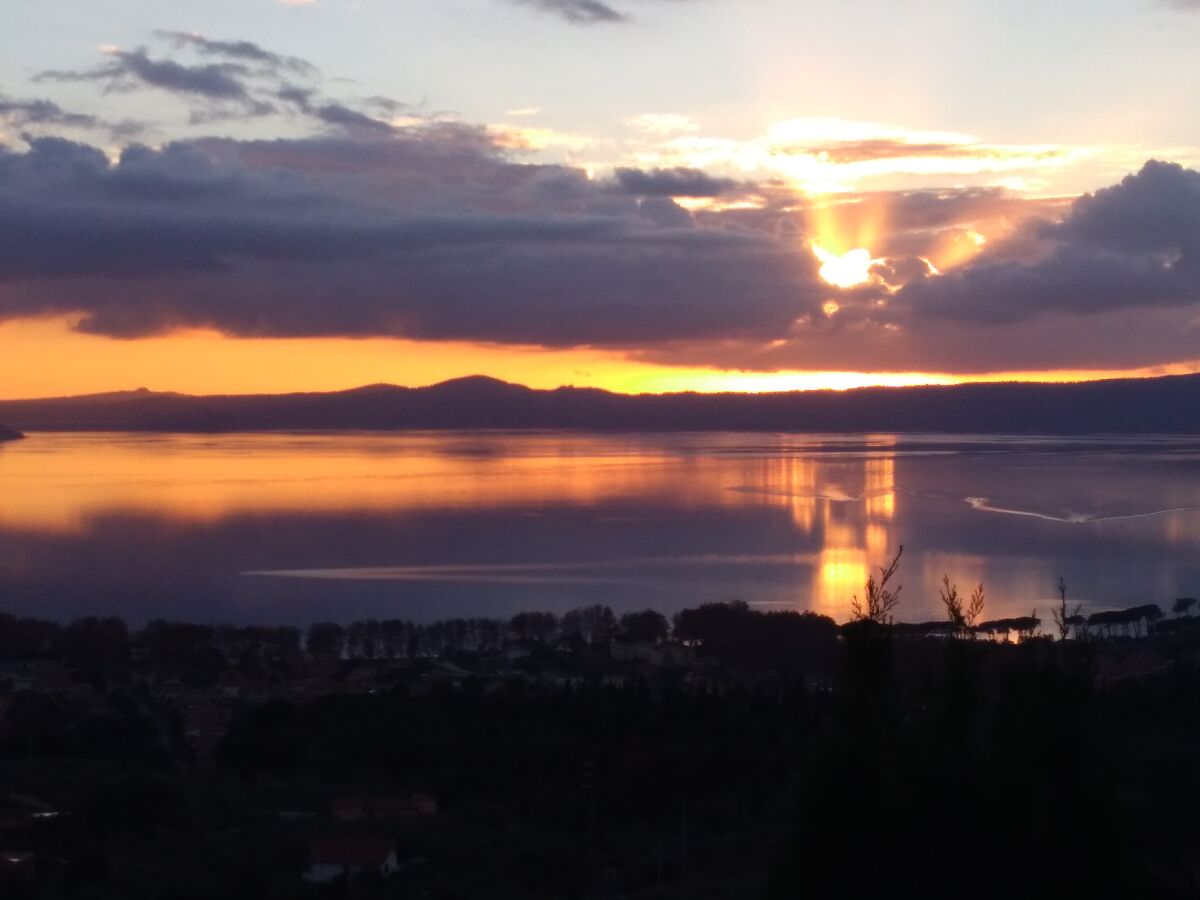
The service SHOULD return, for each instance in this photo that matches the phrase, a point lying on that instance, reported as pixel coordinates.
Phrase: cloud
(579, 12)
(534, 139)
(308, 101)
(828, 154)
(245, 80)
(347, 118)
(384, 223)
(23, 113)
(847, 152)
(218, 83)
(1109, 280)
(663, 123)
(677, 182)
(427, 232)
(585, 12)
(246, 51)
(1135, 245)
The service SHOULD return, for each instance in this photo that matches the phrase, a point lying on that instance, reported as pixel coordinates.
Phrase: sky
(640, 195)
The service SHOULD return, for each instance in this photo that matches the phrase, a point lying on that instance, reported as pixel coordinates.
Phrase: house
(350, 857)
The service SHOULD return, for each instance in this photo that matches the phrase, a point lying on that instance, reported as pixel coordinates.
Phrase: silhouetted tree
(594, 624)
(325, 639)
(22, 638)
(1126, 619)
(648, 626)
(1062, 619)
(1183, 606)
(961, 617)
(394, 634)
(97, 645)
(707, 622)
(535, 626)
(1027, 626)
(879, 600)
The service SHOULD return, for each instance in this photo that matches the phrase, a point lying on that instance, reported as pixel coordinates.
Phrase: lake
(292, 528)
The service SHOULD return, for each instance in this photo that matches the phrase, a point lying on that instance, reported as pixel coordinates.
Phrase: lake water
(292, 528)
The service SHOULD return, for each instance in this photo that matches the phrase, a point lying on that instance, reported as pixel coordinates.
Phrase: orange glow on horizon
(45, 357)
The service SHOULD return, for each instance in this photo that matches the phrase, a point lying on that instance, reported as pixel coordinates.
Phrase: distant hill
(8, 434)
(1156, 405)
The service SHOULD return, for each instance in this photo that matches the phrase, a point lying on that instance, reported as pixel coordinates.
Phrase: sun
(846, 270)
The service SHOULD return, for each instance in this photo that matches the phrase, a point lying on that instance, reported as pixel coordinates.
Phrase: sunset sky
(642, 195)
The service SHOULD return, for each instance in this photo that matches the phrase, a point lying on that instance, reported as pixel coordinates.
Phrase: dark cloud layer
(1134, 245)
(430, 232)
(1111, 280)
(426, 233)
(434, 231)
(678, 182)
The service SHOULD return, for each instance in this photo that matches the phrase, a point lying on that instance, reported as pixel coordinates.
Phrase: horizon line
(1066, 377)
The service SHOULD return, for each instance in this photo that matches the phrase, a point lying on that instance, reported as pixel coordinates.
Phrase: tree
(535, 626)
(325, 639)
(1062, 619)
(880, 600)
(710, 623)
(961, 617)
(1183, 606)
(1027, 626)
(595, 624)
(96, 644)
(648, 626)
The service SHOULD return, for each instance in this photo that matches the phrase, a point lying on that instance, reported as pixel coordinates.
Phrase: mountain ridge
(1167, 404)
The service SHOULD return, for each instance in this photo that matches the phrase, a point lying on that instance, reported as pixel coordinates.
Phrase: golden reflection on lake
(789, 520)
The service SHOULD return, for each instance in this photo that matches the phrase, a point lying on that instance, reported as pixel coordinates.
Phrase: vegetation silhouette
(729, 752)
(878, 599)
(977, 769)
(962, 617)
(1063, 620)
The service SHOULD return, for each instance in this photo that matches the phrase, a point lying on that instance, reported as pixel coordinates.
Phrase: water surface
(297, 527)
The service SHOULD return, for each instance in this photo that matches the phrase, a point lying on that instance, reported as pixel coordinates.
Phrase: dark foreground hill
(1157, 405)
(8, 434)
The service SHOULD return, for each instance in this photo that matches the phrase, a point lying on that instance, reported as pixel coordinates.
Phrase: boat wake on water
(983, 505)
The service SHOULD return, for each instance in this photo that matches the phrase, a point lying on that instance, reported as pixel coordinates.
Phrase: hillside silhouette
(1158, 405)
